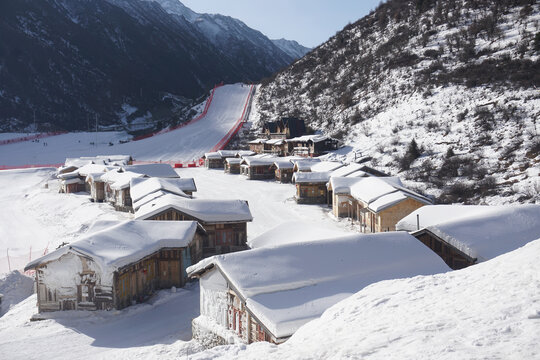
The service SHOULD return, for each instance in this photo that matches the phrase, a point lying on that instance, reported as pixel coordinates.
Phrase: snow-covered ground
(184, 144)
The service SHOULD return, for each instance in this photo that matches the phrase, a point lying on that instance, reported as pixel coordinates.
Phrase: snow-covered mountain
(291, 47)
(67, 63)
(460, 77)
(235, 39)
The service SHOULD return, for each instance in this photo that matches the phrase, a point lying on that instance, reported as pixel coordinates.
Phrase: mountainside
(291, 47)
(235, 39)
(66, 64)
(460, 77)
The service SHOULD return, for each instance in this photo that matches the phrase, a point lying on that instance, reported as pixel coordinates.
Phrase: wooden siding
(311, 193)
(386, 219)
(283, 175)
(213, 163)
(220, 238)
(454, 258)
(232, 168)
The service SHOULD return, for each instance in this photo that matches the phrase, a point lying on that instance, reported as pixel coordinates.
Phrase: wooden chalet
(283, 170)
(257, 168)
(382, 202)
(117, 188)
(257, 146)
(342, 202)
(285, 128)
(232, 165)
(225, 221)
(236, 303)
(311, 187)
(311, 145)
(213, 160)
(97, 187)
(116, 264)
(463, 235)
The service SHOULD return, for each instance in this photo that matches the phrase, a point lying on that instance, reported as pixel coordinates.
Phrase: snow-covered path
(184, 144)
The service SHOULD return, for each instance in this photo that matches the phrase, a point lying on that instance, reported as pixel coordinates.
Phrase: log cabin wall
(454, 258)
(389, 217)
(311, 193)
(260, 172)
(220, 238)
(344, 205)
(161, 270)
(213, 163)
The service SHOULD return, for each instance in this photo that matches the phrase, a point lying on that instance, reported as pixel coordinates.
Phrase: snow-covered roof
(294, 232)
(231, 161)
(257, 141)
(208, 211)
(283, 164)
(153, 170)
(380, 193)
(342, 185)
(326, 166)
(275, 142)
(286, 286)
(346, 170)
(306, 138)
(141, 187)
(123, 243)
(242, 153)
(212, 155)
(305, 164)
(92, 168)
(72, 181)
(150, 197)
(227, 153)
(119, 180)
(481, 232)
(258, 161)
(311, 177)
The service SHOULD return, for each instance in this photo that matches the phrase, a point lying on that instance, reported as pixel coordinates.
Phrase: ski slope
(184, 144)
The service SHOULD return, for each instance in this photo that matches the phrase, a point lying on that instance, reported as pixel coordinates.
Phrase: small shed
(339, 190)
(463, 235)
(257, 168)
(257, 145)
(225, 221)
(116, 264)
(232, 165)
(213, 160)
(267, 293)
(311, 187)
(283, 170)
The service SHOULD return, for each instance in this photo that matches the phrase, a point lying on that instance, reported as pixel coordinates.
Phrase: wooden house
(276, 147)
(311, 187)
(339, 192)
(311, 145)
(97, 187)
(117, 188)
(213, 160)
(463, 235)
(382, 202)
(72, 185)
(234, 288)
(116, 264)
(283, 170)
(285, 128)
(304, 165)
(232, 165)
(225, 221)
(257, 145)
(257, 168)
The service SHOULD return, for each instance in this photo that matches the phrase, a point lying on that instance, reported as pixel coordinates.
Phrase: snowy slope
(184, 144)
(487, 311)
